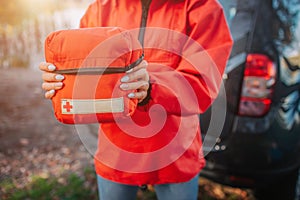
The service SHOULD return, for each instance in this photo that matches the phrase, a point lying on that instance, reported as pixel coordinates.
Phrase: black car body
(259, 143)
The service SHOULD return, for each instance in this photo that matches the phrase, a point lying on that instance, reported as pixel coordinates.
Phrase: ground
(33, 144)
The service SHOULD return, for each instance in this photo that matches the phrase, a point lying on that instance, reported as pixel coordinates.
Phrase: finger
(140, 85)
(52, 77)
(140, 95)
(52, 86)
(47, 67)
(143, 64)
(49, 94)
(141, 74)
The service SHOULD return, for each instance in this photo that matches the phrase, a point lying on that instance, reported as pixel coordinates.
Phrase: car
(258, 108)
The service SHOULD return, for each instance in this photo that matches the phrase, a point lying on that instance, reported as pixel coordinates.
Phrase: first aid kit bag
(92, 61)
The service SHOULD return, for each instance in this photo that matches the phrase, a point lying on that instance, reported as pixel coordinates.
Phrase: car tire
(286, 188)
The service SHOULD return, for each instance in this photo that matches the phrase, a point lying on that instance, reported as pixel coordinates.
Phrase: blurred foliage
(24, 24)
(13, 12)
(287, 17)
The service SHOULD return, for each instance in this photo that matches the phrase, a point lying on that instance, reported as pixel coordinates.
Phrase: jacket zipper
(145, 10)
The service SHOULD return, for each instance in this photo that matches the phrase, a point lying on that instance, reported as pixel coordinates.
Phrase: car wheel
(287, 188)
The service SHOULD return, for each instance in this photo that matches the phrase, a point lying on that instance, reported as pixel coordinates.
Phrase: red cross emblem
(68, 106)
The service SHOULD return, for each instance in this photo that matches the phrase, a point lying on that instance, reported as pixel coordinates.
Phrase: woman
(186, 45)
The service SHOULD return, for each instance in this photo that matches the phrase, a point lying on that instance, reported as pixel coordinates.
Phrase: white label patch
(90, 106)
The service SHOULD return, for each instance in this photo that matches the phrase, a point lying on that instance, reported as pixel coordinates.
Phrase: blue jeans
(109, 190)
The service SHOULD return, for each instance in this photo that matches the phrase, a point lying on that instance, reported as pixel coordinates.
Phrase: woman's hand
(137, 79)
(52, 81)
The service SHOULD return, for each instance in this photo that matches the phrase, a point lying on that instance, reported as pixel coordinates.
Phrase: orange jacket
(186, 44)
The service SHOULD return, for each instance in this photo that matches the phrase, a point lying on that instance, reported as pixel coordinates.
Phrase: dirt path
(32, 142)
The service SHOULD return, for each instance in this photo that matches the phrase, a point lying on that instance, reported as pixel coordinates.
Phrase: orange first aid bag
(92, 60)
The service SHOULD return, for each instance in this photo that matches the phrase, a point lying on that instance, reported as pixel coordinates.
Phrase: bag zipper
(101, 70)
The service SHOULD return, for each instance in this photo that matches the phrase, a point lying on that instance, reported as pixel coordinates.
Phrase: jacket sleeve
(194, 84)
(90, 18)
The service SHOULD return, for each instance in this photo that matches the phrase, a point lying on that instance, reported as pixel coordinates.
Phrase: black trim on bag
(101, 70)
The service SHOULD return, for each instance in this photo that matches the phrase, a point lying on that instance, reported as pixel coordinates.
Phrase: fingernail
(124, 86)
(131, 95)
(58, 84)
(128, 71)
(144, 63)
(51, 67)
(51, 91)
(125, 79)
(59, 77)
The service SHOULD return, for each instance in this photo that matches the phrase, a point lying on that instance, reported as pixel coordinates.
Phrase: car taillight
(259, 79)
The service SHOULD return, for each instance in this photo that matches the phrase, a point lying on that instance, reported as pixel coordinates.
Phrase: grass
(73, 187)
